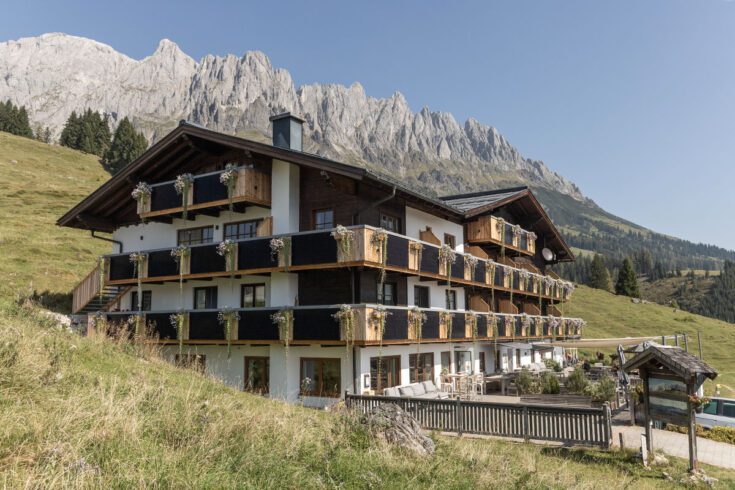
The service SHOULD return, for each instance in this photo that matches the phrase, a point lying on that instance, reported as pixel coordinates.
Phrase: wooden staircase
(86, 297)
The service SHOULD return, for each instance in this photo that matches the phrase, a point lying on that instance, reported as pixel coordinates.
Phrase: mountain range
(55, 74)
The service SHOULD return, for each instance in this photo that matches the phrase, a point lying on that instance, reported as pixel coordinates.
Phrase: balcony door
(205, 298)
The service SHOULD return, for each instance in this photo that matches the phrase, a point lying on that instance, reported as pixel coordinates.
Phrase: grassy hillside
(616, 316)
(39, 183)
(86, 412)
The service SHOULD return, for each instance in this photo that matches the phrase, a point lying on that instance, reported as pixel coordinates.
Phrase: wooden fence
(569, 425)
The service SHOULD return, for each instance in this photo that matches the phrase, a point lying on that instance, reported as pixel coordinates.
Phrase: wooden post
(693, 463)
(647, 412)
(686, 343)
(663, 340)
(699, 341)
(622, 441)
(458, 416)
(676, 339)
(526, 425)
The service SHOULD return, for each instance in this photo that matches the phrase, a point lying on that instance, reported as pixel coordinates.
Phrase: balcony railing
(253, 187)
(318, 324)
(489, 229)
(319, 249)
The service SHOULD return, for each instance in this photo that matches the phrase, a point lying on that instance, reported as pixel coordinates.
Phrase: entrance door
(257, 375)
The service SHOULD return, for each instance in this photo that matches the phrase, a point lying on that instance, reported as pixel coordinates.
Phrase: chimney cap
(286, 115)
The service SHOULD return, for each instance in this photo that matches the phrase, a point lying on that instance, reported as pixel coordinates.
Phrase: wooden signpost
(671, 378)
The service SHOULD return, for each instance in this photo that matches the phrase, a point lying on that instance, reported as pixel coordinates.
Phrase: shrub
(553, 365)
(576, 382)
(525, 383)
(720, 434)
(549, 384)
(603, 390)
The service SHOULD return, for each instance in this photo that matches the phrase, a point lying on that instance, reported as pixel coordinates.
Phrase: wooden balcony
(492, 230)
(317, 324)
(253, 187)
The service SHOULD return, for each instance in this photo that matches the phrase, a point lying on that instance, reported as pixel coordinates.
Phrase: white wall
(162, 235)
(285, 182)
(437, 293)
(418, 221)
(230, 371)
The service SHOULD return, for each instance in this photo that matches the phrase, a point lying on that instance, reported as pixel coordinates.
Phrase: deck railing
(489, 229)
(568, 425)
(319, 249)
(318, 323)
(86, 290)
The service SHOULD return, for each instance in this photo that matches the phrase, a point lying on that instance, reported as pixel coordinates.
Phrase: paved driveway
(675, 444)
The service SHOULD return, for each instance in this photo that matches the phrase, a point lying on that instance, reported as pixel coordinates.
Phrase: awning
(584, 343)
(517, 345)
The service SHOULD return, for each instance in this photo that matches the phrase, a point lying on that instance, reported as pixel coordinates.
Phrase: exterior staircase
(87, 297)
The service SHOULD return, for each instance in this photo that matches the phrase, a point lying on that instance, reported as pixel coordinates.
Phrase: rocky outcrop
(54, 74)
(390, 423)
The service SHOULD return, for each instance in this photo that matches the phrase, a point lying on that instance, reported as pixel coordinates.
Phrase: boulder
(389, 422)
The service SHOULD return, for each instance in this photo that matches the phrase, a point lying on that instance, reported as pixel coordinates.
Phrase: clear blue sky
(632, 100)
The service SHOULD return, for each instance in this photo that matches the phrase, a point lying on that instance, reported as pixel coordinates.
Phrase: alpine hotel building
(292, 275)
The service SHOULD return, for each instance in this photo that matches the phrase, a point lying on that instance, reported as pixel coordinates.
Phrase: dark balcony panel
(206, 259)
(164, 197)
(257, 325)
(160, 325)
(518, 326)
(547, 327)
(397, 251)
(430, 330)
(318, 324)
(482, 326)
(498, 276)
(208, 189)
(458, 330)
(396, 325)
(458, 268)
(524, 242)
(121, 268)
(508, 234)
(161, 263)
(479, 275)
(119, 326)
(313, 248)
(204, 325)
(255, 254)
(430, 259)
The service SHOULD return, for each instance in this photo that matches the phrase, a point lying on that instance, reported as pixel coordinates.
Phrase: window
(421, 367)
(728, 409)
(710, 408)
(243, 229)
(482, 362)
(390, 223)
(385, 372)
(257, 375)
(518, 358)
(320, 377)
(197, 362)
(323, 219)
(205, 298)
(195, 236)
(253, 295)
(446, 358)
(463, 360)
(421, 296)
(146, 306)
(451, 299)
(387, 293)
(450, 240)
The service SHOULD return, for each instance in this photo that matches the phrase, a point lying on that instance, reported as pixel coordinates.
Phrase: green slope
(616, 316)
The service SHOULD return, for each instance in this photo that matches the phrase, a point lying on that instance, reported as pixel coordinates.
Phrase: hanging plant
(102, 265)
(525, 323)
(346, 318)
(379, 242)
(517, 232)
(229, 179)
(525, 277)
(509, 324)
(377, 321)
(492, 324)
(470, 264)
(283, 319)
(344, 238)
(142, 194)
(416, 319)
(418, 249)
(182, 185)
(447, 318)
(138, 259)
(567, 287)
(471, 321)
(181, 255)
(281, 250)
(500, 227)
(553, 325)
(531, 238)
(227, 249)
(177, 321)
(447, 257)
(228, 317)
(539, 324)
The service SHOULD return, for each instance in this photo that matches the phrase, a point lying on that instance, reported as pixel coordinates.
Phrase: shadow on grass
(626, 460)
(56, 302)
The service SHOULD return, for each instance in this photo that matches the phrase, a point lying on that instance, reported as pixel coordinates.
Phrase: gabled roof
(675, 359)
(469, 202)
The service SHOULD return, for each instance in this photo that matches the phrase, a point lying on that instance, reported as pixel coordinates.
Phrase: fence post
(608, 425)
(526, 424)
(458, 419)
(347, 399)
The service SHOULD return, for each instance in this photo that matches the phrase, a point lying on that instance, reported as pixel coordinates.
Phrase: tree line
(88, 131)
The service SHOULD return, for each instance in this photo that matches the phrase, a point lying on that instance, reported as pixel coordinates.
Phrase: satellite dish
(548, 255)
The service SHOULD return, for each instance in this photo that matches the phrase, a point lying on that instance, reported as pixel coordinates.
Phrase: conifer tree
(14, 120)
(127, 145)
(599, 275)
(627, 284)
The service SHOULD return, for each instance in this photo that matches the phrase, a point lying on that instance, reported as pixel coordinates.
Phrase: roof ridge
(485, 193)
